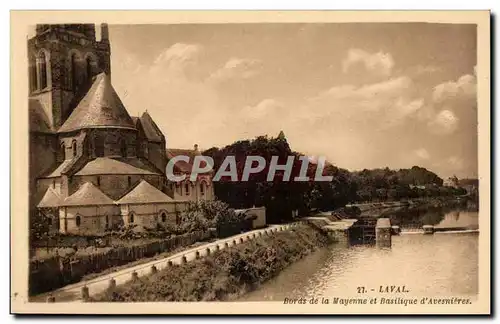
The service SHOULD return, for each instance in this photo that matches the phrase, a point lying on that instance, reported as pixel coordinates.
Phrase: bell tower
(63, 59)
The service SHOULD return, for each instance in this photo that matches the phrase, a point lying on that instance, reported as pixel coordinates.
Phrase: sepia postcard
(250, 162)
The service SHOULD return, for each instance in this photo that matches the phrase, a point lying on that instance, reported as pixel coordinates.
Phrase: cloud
(465, 85)
(176, 59)
(422, 153)
(380, 63)
(453, 103)
(237, 68)
(388, 101)
(425, 69)
(264, 108)
(455, 162)
(445, 122)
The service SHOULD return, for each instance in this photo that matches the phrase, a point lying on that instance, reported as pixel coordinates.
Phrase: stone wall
(41, 160)
(156, 154)
(383, 232)
(92, 219)
(151, 215)
(195, 191)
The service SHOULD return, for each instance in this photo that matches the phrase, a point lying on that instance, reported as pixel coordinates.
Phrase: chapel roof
(182, 166)
(86, 195)
(50, 199)
(100, 108)
(38, 120)
(107, 165)
(151, 130)
(144, 193)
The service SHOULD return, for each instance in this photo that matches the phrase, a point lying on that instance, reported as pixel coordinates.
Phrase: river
(442, 264)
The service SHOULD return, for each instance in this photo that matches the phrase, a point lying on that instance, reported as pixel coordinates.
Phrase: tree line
(282, 198)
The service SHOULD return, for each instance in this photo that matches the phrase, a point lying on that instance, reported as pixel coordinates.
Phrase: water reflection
(428, 265)
(440, 217)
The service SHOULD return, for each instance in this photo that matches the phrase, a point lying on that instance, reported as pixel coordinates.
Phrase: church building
(92, 165)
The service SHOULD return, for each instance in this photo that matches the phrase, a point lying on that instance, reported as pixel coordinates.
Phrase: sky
(362, 95)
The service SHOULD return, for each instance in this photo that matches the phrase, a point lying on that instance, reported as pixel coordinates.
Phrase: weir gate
(363, 230)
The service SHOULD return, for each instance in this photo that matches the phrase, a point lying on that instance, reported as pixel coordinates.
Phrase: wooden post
(112, 284)
(85, 293)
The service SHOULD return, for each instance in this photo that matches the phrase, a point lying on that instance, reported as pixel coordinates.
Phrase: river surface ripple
(437, 265)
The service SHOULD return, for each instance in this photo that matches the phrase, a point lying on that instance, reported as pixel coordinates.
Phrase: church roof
(59, 169)
(106, 165)
(151, 130)
(182, 166)
(38, 120)
(100, 108)
(50, 199)
(86, 195)
(144, 193)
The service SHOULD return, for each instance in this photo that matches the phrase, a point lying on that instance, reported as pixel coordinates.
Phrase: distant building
(470, 185)
(451, 182)
(257, 214)
(200, 189)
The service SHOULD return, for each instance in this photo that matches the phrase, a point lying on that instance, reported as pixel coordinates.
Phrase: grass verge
(223, 275)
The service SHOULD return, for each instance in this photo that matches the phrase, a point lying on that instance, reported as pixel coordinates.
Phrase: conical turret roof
(144, 193)
(50, 199)
(100, 108)
(87, 195)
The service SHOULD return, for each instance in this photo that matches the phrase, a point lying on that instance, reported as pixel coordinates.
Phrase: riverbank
(223, 275)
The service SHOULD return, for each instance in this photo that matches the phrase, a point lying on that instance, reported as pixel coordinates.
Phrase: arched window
(62, 152)
(186, 188)
(78, 220)
(91, 147)
(163, 216)
(89, 69)
(43, 70)
(49, 221)
(74, 72)
(131, 218)
(98, 146)
(32, 74)
(73, 147)
(123, 148)
(202, 188)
